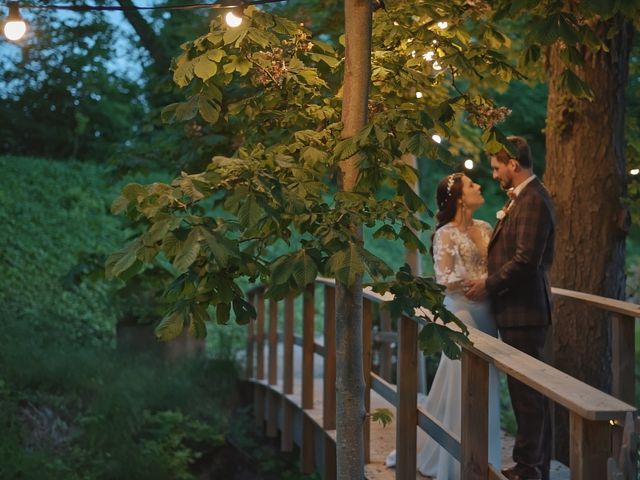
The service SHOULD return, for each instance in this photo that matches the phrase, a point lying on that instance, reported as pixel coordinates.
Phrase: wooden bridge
(295, 396)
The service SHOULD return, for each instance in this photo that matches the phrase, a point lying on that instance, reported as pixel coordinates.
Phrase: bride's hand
(475, 290)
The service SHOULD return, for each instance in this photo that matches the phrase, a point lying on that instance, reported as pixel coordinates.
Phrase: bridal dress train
(457, 258)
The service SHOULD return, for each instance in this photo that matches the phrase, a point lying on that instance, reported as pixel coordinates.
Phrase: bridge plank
(383, 439)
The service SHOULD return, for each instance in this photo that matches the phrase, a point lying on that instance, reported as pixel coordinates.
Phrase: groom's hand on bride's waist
(475, 290)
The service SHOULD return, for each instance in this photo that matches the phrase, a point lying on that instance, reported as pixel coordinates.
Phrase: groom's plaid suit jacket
(520, 253)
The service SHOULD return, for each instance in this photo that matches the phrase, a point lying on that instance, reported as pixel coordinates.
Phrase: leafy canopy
(277, 88)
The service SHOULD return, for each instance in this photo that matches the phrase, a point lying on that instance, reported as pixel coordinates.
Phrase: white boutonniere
(502, 213)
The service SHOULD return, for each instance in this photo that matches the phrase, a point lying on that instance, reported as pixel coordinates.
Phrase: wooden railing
(596, 418)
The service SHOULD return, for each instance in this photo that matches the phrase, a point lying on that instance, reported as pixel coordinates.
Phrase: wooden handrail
(609, 304)
(583, 399)
(591, 411)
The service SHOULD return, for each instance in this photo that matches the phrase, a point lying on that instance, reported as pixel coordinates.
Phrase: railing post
(308, 315)
(250, 342)
(329, 381)
(329, 394)
(385, 347)
(272, 402)
(623, 357)
(474, 464)
(589, 448)
(286, 443)
(367, 325)
(273, 342)
(287, 385)
(258, 395)
(413, 259)
(622, 368)
(260, 337)
(406, 408)
(330, 466)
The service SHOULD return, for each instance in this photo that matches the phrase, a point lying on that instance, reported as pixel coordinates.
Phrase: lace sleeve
(444, 259)
(487, 228)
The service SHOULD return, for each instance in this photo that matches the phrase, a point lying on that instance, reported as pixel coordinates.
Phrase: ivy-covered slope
(51, 215)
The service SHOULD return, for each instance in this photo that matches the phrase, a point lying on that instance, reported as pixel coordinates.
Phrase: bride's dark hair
(448, 193)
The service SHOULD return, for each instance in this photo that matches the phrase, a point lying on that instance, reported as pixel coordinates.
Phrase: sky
(11, 52)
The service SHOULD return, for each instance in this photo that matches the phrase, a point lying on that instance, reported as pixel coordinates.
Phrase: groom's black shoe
(522, 472)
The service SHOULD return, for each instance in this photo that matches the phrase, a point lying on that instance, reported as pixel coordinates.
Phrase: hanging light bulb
(436, 138)
(428, 56)
(418, 94)
(233, 18)
(15, 27)
(235, 11)
(468, 164)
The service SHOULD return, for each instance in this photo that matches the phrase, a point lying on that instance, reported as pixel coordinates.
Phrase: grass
(71, 405)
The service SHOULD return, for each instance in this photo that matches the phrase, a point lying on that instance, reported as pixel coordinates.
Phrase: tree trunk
(585, 172)
(350, 411)
(148, 38)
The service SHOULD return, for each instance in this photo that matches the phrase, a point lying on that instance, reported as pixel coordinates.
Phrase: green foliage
(71, 407)
(632, 130)
(53, 213)
(423, 298)
(272, 463)
(60, 96)
(580, 27)
(382, 415)
(89, 412)
(275, 85)
(528, 104)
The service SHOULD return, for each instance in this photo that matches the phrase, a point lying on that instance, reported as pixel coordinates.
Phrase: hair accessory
(452, 178)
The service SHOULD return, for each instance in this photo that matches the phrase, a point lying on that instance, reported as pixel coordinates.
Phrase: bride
(459, 250)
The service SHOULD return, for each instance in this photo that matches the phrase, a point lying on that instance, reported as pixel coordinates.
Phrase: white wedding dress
(457, 259)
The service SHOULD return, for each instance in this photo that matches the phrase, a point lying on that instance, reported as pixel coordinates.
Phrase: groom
(520, 253)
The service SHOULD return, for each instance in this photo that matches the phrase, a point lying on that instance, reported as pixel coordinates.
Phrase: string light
(235, 13)
(15, 27)
(418, 94)
(436, 138)
(468, 164)
(443, 25)
(436, 66)
(634, 171)
(233, 19)
(15, 24)
(428, 56)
